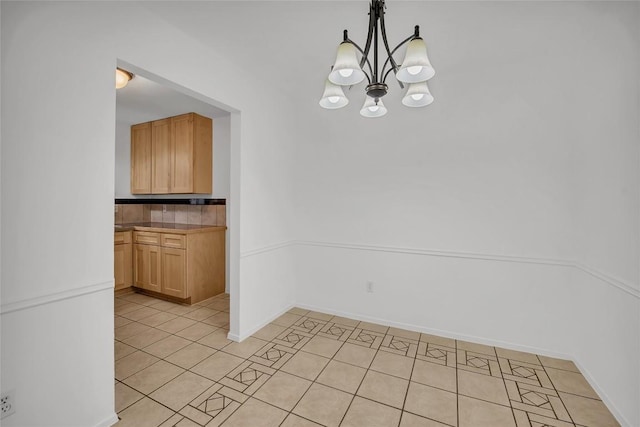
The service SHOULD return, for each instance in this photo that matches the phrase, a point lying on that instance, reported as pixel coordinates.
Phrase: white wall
(491, 214)
(58, 188)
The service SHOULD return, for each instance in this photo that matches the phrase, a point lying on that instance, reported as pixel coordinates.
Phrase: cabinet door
(146, 267)
(141, 266)
(161, 158)
(119, 266)
(174, 272)
(141, 158)
(182, 154)
(155, 276)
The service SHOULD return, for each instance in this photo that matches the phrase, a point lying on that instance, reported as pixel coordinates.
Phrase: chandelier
(347, 70)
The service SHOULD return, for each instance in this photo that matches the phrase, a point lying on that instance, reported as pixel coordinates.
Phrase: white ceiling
(143, 100)
(292, 44)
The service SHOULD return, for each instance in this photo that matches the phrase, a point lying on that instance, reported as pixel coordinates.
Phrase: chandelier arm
(364, 59)
(394, 66)
(383, 30)
(367, 46)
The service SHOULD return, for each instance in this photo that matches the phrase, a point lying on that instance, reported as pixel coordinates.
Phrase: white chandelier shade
(416, 66)
(346, 70)
(353, 64)
(333, 96)
(371, 108)
(417, 95)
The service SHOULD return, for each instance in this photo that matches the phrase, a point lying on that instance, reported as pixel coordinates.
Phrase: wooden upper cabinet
(141, 158)
(182, 154)
(161, 157)
(179, 158)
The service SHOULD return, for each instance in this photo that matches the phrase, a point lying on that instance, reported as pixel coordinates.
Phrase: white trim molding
(27, 303)
(268, 248)
(242, 337)
(107, 422)
(605, 277)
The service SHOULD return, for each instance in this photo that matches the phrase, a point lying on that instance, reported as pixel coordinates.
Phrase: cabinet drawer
(146, 238)
(120, 237)
(178, 241)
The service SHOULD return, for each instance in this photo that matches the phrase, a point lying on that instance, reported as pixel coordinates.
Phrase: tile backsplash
(170, 214)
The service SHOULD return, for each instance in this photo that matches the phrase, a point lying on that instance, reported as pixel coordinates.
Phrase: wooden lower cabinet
(146, 267)
(188, 267)
(174, 272)
(122, 260)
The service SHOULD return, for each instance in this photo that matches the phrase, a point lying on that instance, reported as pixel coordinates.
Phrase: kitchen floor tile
(283, 390)
(175, 367)
(181, 390)
(217, 366)
(246, 348)
(588, 412)
(305, 365)
(146, 338)
(355, 355)
(482, 387)
(570, 382)
(384, 388)
(434, 375)
(216, 339)
(133, 363)
(342, 376)
(144, 413)
(550, 362)
(196, 331)
(256, 413)
(167, 346)
(294, 420)
(393, 364)
(322, 346)
(433, 403)
(153, 377)
(176, 325)
(125, 396)
(190, 355)
(412, 420)
(323, 405)
(478, 413)
(366, 413)
(269, 332)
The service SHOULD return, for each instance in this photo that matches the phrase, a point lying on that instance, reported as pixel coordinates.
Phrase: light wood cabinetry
(146, 267)
(174, 272)
(189, 267)
(161, 156)
(172, 156)
(122, 260)
(141, 158)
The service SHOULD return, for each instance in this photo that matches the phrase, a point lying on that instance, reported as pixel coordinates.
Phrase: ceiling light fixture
(348, 70)
(122, 78)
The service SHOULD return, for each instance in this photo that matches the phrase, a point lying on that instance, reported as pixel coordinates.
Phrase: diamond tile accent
(309, 368)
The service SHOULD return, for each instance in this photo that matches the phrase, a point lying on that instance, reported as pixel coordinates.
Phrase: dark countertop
(161, 227)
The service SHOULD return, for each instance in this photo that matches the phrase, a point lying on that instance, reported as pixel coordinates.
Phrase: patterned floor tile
(309, 369)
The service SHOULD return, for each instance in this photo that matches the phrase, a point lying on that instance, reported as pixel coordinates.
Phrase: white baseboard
(439, 332)
(243, 336)
(109, 421)
(605, 398)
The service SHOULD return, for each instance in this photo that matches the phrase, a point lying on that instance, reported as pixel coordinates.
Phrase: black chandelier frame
(377, 88)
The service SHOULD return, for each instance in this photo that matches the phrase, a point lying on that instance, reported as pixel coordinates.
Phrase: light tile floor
(175, 367)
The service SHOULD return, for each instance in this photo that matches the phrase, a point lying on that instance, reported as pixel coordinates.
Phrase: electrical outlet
(369, 287)
(7, 404)
(164, 208)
